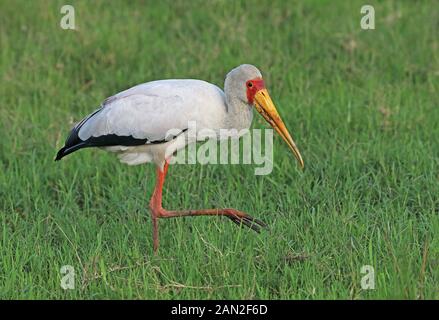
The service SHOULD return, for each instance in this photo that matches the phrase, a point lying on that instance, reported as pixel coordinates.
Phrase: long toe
(248, 221)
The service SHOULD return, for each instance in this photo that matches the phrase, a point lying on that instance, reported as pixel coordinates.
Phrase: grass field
(361, 104)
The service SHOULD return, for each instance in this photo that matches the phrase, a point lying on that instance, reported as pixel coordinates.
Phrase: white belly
(156, 153)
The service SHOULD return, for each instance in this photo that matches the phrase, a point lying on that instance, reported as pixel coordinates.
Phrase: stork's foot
(238, 217)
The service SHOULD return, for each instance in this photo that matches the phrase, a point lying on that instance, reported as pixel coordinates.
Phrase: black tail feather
(60, 154)
(64, 151)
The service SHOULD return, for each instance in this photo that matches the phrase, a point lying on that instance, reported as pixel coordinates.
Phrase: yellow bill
(265, 106)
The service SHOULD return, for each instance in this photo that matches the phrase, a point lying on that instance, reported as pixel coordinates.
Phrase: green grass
(362, 106)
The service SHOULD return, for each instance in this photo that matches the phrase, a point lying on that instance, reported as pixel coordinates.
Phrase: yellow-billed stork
(135, 123)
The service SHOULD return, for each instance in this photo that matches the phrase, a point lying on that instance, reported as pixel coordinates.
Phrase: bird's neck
(239, 114)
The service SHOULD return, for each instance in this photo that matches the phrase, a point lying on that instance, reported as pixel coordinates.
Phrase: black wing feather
(74, 143)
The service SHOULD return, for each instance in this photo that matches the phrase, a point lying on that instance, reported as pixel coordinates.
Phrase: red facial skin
(253, 86)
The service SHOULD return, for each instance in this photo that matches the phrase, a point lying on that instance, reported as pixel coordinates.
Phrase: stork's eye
(249, 84)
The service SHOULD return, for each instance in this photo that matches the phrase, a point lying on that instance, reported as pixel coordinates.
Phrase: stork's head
(247, 85)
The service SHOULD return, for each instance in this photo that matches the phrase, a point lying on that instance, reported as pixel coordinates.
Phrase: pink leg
(157, 210)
